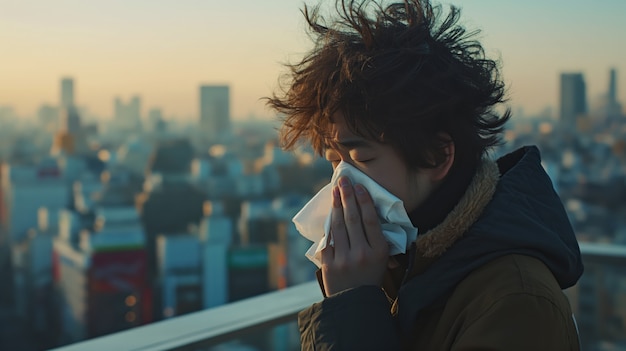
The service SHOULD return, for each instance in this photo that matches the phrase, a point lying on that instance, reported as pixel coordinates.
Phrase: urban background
(111, 223)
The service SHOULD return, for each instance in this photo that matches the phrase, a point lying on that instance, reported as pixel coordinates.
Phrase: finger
(328, 255)
(337, 225)
(369, 218)
(351, 215)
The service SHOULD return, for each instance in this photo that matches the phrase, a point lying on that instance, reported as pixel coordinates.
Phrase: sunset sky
(163, 50)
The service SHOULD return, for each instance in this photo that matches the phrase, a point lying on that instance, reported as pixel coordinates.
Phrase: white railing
(209, 327)
(232, 321)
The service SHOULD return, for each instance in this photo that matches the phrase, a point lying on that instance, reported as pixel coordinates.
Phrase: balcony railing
(204, 329)
(214, 326)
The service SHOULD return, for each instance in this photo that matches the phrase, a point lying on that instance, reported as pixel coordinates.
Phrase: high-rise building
(34, 293)
(180, 273)
(69, 138)
(573, 97)
(613, 106)
(612, 86)
(70, 120)
(216, 234)
(102, 278)
(27, 188)
(67, 92)
(248, 271)
(215, 111)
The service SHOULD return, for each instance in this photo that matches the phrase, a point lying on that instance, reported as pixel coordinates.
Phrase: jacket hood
(519, 213)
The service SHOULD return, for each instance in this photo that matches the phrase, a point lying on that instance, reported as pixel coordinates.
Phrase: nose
(336, 156)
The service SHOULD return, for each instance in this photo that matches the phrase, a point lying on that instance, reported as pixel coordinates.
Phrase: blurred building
(85, 191)
(573, 98)
(134, 155)
(27, 188)
(156, 121)
(258, 224)
(169, 204)
(612, 93)
(71, 136)
(70, 120)
(168, 208)
(67, 93)
(298, 268)
(248, 271)
(102, 277)
(216, 233)
(221, 175)
(180, 274)
(215, 112)
(127, 116)
(34, 299)
(613, 106)
(172, 158)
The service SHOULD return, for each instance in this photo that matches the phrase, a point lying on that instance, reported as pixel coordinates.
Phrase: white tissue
(313, 220)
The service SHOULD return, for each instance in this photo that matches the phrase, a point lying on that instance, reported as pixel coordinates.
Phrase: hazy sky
(164, 49)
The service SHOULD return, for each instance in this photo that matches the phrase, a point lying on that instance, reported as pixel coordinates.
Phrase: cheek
(396, 183)
(410, 188)
(402, 189)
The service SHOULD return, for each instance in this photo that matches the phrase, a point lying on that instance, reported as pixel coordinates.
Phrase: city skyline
(165, 51)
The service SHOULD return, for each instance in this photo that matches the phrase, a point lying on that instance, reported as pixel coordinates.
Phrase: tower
(612, 95)
(613, 106)
(67, 93)
(215, 110)
(573, 98)
(70, 120)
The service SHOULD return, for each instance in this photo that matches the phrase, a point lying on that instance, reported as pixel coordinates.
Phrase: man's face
(380, 162)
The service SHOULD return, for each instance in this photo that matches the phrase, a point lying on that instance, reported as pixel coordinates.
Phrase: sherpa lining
(436, 241)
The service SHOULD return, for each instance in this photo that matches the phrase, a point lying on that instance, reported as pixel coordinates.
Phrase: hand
(360, 253)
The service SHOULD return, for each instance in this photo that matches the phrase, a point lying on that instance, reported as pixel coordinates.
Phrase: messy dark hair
(399, 74)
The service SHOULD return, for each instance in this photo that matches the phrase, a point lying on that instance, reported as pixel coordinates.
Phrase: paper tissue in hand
(313, 220)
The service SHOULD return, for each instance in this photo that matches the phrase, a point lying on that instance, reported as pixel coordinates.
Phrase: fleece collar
(516, 213)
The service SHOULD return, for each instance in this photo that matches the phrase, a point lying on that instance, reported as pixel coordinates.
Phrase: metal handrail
(234, 320)
(209, 327)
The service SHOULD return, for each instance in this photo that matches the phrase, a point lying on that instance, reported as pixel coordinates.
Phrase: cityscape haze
(163, 51)
(141, 176)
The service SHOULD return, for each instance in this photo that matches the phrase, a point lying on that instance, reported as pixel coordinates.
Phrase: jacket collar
(436, 241)
(433, 243)
(429, 246)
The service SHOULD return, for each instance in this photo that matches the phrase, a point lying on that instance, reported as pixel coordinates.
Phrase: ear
(441, 171)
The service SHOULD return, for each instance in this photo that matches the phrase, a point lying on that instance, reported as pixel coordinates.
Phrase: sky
(163, 50)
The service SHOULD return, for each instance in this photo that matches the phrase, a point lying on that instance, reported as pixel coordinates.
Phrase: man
(408, 97)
